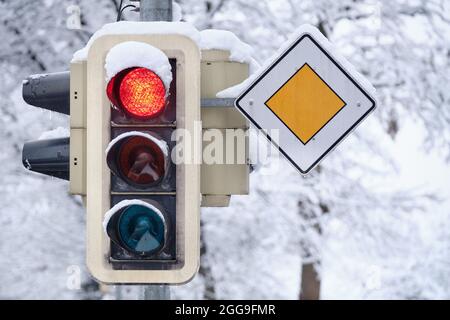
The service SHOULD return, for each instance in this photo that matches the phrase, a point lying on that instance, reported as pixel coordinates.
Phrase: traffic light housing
(142, 208)
(161, 209)
(48, 156)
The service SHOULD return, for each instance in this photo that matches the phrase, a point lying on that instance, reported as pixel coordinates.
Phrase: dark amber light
(141, 161)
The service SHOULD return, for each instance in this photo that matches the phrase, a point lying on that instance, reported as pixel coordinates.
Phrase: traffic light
(48, 156)
(142, 202)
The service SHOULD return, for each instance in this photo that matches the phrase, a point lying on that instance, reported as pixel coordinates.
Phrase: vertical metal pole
(156, 10)
(118, 290)
(156, 292)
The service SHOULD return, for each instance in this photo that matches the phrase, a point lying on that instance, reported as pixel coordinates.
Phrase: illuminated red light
(110, 91)
(141, 161)
(138, 91)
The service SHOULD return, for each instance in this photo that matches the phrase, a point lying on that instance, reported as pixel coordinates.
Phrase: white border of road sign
(310, 47)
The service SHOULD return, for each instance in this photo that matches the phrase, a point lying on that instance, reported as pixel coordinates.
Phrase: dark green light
(142, 229)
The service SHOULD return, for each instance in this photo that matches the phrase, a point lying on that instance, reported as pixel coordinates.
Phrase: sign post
(152, 10)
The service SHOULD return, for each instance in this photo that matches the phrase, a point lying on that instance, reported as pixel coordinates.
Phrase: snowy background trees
(372, 221)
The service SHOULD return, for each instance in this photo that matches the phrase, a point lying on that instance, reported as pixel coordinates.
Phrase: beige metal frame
(78, 128)
(220, 181)
(98, 175)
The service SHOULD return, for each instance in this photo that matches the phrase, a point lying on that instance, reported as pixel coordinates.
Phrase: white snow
(160, 143)
(207, 39)
(227, 40)
(126, 203)
(59, 132)
(136, 27)
(236, 90)
(177, 13)
(138, 54)
(37, 76)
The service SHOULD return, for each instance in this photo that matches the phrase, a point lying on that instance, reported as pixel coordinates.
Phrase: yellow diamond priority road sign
(298, 102)
(311, 95)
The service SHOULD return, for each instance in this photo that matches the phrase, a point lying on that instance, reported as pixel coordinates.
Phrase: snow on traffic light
(142, 205)
(135, 147)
